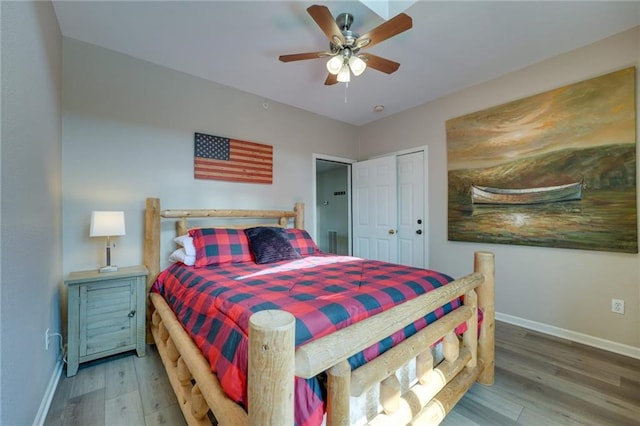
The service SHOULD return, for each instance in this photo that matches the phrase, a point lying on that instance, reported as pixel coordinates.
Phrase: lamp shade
(335, 64)
(344, 76)
(357, 65)
(106, 224)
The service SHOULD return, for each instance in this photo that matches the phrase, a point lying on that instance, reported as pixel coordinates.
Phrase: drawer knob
(132, 313)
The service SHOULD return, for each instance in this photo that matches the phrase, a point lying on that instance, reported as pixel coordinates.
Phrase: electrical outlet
(46, 340)
(617, 306)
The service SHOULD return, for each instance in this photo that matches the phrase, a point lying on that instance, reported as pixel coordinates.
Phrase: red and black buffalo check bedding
(325, 293)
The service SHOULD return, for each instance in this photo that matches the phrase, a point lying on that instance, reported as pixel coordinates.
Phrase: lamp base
(110, 268)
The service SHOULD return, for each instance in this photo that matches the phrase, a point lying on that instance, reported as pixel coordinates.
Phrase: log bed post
(484, 263)
(298, 221)
(338, 387)
(270, 379)
(470, 337)
(181, 226)
(151, 252)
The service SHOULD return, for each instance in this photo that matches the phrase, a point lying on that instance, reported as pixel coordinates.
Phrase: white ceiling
(452, 44)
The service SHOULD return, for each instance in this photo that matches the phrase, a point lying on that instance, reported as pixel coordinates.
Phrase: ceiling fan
(345, 45)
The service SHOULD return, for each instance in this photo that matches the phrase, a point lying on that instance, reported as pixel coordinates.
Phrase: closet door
(389, 209)
(411, 211)
(375, 209)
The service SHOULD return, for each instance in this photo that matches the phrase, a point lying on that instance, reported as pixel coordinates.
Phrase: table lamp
(107, 224)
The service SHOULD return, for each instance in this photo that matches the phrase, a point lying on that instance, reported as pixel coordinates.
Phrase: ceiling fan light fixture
(357, 65)
(334, 65)
(344, 76)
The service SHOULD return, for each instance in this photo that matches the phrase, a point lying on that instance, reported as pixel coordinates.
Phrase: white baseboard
(574, 336)
(48, 395)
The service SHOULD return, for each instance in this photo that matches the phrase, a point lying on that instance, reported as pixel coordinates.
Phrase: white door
(411, 214)
(375, 209)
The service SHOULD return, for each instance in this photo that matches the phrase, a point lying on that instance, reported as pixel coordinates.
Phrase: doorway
(333, 205)
(337, 218)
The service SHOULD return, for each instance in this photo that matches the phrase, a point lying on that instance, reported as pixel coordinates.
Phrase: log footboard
(439, 389)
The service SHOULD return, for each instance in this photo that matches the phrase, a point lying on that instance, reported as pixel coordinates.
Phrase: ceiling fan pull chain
(346, 86)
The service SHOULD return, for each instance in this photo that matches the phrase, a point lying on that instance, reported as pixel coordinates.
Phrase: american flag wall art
(233, 160)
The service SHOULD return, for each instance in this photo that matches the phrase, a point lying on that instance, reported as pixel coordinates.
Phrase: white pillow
(180, 255)
(187, 242)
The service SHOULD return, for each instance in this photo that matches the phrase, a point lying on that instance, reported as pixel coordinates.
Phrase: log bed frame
(273, 360)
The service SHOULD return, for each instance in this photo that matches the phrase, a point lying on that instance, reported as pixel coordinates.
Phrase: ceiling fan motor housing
(344, 21)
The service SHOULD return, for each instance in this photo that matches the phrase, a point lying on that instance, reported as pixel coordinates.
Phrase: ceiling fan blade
(303, 56)
(388, 29)
(331, 79)
(326, 22)
(379, 63)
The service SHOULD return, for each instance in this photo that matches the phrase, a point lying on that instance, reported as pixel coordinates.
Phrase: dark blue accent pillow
(270, 244)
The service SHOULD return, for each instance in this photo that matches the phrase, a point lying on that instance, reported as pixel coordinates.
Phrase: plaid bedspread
(325, 293)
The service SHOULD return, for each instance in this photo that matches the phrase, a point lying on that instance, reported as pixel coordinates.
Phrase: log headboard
(154, 215)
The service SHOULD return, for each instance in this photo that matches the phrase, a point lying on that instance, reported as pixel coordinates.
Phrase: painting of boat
(546, 194)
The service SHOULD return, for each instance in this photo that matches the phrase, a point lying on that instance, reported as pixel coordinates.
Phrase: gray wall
(565, 289)
(31, 242)
(128, 134)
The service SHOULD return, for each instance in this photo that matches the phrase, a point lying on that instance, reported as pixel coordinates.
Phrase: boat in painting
(546, 194)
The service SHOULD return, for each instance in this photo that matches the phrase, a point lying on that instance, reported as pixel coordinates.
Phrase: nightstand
(106, 314)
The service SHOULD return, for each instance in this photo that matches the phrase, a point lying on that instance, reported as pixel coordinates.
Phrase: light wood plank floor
(540, 380)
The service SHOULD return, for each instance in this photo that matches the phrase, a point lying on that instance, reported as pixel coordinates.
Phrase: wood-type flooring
(540, 380)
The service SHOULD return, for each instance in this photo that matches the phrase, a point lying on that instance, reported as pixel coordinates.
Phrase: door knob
(392, 231)
(419, 232)
(131, 314)
(419, 221)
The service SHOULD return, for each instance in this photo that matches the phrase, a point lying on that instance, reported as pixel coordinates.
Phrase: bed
(277, 359)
